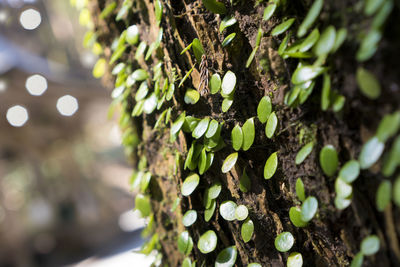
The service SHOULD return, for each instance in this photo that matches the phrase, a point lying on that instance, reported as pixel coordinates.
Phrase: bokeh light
(67, 105)
(17, 116)
(36, 84)
(30, 19)
(3, 85)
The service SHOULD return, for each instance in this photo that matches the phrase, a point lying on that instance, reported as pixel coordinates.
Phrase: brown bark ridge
(333, 236)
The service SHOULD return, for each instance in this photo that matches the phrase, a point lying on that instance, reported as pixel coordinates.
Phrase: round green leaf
(300, 189)
(237, 137)
(254, 264)
(247, 230)
(214, 6)
(158, 11)
(229, 162)
(198, 49)
(326, 41)
(150, 104)
(368, 84)
(357, 260)
(295, 217)
(228, 83)
(142, 203)
(139, 75)
(244, 182)
(201, 128)
(215, 83)
(248, 134)
(177, 125)
(185, 243)
(189, 124)
(227, 257)
(284, 241)
(271, 126)
(241, 212)
(118, 68)
(306, 73)
(271, 165)
(142, 91)
(191, 96)
(269, 11)
(350, 171)
(388, 126)
(227, 210)
(309, 42)
(132, 35)
(227, 22)
(190, 184)
(396, 192)
(370, 152)
(281, 28)
(309, 208)
(295, 259)
(228, 39)
(371, 6)
(189, 218)
(207, 242)
(212, 128)
(343, 189)
(226, 104)
(341, 35)
(209, 212)
(342, 203)
(310, 18)
(370, 245)
(383, 195)
(187, 262)
(140, 50)
(304, 152)
(99, 68)
(328, 160)
(264, 109)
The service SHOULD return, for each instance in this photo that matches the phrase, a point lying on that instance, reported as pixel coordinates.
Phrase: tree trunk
(333, 236)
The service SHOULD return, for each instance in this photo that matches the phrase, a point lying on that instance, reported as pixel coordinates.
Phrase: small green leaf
(227, 257)
(190, 124)
(326, 92)
(396, 191)
(370, 245)
(228, 39)
(241, 212)
(229, 162)
(284, 241)
(310, 18)
(371, 151)
(228, 83)
(214, 190)
(237, 137)
(281, 28)
(254, 264)
(369, 45)
(158, 11)
(251, 57)
(226, 104)
(207, 242)
(139, 75)
(325, 42)
(244, 182)
(150, 104)
(295, 217)
(108, 10)
(214, 6)
(295, 259)
(247, 230)
(209, 212)
(185, 243)
(392, 159)
(306, 73)
(383, 195)
(310, 41)
(212, 128)
(99, 68)
(272, 123)
(142, 204)
(189, 218)
(201, 128)
(140, 50)
(300, 189)
(357, 260)
(198, 49)
(227, 22)
(368, 84)
(382, 15)
(271, 165)
(142, 91)
(328, 159)
(186, 48)
(264, 109)
(304, 152)
(132, 35)
(282, 47)
(342, 203)
(190, 184)
(227, 210)
(388, 126)
(186, 76)
(371, 6)
(187, 262)
(248, 134)
(191, 96)
(309, 208)
(144, 183)
(202, 161)
(343, 189)
(269, 11)
(341, 35)
(350, 171)
(215, 83)
(338, 102)
(177, 125)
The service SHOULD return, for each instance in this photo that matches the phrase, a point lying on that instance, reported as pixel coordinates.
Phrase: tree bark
(333, 237)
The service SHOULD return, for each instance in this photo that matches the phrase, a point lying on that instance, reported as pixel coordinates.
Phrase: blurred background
(64, 182)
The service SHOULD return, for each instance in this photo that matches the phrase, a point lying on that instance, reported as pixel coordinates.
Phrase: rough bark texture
(333, 237)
